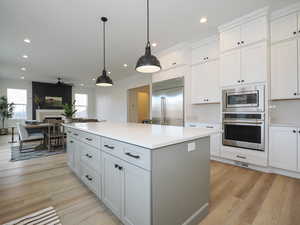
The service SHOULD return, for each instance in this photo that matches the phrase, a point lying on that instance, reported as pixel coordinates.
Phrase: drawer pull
(133, 156)
(108, 146)
(71, 142)
(118, 167)
(88, 177)
(209, 127)
(241, 157)
(75, 134)
(89, 156)
(89, 139)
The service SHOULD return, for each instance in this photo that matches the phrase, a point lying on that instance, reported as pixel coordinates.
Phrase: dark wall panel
(52, 90)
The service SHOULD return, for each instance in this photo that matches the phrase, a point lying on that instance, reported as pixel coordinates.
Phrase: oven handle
(243, 123)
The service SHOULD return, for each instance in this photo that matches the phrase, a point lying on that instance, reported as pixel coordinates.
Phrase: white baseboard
(197, 216)
(259, 168)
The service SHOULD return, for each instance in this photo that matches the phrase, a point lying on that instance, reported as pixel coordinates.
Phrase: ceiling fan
(60, 82)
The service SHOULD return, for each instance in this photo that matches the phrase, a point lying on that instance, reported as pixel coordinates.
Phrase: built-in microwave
(244, 99)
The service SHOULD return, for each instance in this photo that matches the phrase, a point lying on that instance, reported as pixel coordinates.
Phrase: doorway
(138, 104)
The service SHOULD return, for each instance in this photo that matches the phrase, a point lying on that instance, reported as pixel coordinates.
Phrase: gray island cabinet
(145, 174)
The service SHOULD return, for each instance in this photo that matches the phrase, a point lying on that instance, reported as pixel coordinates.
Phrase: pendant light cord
(148, 41)
(104, 63)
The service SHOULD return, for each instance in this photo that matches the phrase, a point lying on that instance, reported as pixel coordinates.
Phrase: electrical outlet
(191, 146)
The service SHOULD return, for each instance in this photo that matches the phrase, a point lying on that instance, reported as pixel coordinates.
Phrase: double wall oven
(244, 117)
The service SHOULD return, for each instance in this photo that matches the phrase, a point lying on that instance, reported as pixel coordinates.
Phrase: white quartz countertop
(144, 135)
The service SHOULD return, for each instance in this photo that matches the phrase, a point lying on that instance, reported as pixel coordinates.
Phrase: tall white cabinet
(285, 56)
(244, 50)
(205, 73)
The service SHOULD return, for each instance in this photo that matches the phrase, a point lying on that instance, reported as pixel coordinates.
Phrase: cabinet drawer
(136, 155)
(76, 133)
(90, 156)
(91, 179)
(90, 139)
(111, 146)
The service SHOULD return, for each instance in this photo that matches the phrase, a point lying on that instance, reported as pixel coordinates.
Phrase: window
(81, 105)
(19, 98)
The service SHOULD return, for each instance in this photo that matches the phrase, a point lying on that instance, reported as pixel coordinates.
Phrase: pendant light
(148, 63)
(104, 80)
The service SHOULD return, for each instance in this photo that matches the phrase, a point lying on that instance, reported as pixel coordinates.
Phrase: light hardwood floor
(238, 196)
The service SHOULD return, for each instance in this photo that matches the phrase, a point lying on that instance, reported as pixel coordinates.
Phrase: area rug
(32, 152)
(46, 216)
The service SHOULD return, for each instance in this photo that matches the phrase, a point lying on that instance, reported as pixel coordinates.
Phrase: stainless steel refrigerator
(168, 102)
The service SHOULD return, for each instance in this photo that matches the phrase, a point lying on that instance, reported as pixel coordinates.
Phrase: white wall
(111, 102)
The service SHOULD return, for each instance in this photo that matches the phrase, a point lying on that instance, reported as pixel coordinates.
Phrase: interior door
(137, 193)
(254, 63)
(284, 70)
(230, 68)
(112, 184)
(172, 103)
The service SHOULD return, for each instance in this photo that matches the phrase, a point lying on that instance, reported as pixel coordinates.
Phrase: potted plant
(38, 101)
(6, 112)
(69, 112)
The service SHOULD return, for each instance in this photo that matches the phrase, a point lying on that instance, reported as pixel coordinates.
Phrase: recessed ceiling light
(154, 44)
(22, 77)
(26, 40)
(203, 20)
(109, 72)
(23, 69)
(81, 85)
(94, 79)
(24, 56)
(125, 65)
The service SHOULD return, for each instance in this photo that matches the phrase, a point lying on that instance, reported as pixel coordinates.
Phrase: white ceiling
(66, 35)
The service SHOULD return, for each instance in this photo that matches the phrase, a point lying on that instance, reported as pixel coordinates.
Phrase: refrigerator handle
(163, 110)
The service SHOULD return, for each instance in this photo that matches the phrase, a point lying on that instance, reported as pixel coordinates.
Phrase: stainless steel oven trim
(242, 144)
(260, 107)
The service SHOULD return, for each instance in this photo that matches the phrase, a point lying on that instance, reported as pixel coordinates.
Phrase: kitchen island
(145, 174)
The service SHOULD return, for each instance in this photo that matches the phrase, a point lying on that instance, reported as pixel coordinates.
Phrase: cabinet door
(137, 192)
(205, 83)
(206, 52)
(254, 63)
(283, 148)
(112, 184)
(229, 39)
(284, 70)
(298, 150)
(76, 156)
(284, 28)
(230, 68)
(254, 31)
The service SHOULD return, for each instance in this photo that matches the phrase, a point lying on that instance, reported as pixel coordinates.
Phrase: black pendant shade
(104, 80)
(148, 63)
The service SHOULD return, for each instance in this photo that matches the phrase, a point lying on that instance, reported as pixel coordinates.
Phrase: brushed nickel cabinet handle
(241, 157)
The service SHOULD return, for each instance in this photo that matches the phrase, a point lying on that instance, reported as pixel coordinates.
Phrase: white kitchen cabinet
(70, 152)
(112, 183)
(244, 66)
(205, 83)
(299, 149)
(205, 52)
(173, 59)
(254, 31)
(229, 39)
(284, 28)
(284, 148)
(230, 68)
(284, 70)
(254, 63)
(247, 33)
(137, 193)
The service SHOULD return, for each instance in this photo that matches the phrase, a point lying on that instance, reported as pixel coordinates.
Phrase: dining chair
(24, 136)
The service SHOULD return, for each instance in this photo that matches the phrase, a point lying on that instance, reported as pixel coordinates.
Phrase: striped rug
(46, 216)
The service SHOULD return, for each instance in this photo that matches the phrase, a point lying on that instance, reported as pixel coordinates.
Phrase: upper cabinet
(205, 75)
(245, 34)
(285, 27)
(285, 53)
(244, 51)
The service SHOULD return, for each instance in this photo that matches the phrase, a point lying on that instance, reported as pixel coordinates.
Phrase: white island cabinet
(142, 171)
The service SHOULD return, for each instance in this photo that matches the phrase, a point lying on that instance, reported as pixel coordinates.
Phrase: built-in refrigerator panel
(168, 102)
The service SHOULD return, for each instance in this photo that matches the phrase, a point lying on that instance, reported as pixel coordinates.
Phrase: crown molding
(285, 11)
(246, 18)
